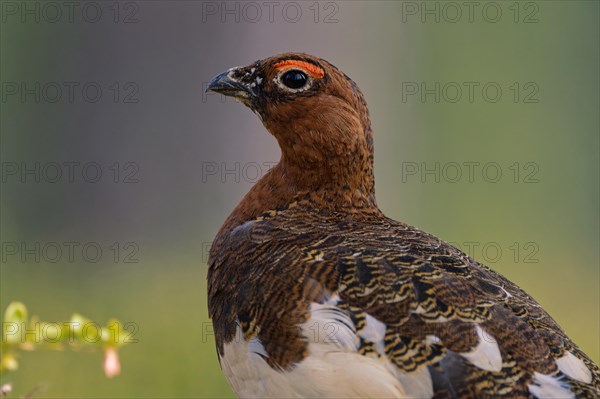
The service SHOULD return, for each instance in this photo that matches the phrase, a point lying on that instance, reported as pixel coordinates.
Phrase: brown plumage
(309, 244)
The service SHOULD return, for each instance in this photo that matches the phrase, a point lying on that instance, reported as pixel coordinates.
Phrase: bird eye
(294, 79)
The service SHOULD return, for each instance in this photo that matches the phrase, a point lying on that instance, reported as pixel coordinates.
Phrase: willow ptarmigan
(314, 292)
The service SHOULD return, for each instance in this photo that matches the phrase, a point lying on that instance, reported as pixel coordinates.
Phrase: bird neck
(323, 167)
(329, 186)
(331, 183)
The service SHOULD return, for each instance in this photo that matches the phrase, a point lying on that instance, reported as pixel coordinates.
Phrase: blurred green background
(194, 156)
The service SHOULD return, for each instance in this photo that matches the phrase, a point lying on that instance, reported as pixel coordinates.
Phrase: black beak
(226, 84)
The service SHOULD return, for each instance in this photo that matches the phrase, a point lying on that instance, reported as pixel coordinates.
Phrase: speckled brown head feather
(313, 292)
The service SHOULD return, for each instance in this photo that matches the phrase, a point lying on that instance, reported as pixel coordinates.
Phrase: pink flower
(112, 367)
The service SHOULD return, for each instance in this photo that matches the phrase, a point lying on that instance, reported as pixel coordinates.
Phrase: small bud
(112, 367)
(78, 325)
(5, 390)
(16, 312)
(8, 362)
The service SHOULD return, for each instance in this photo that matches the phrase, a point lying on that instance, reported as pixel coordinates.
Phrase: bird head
(317, 114)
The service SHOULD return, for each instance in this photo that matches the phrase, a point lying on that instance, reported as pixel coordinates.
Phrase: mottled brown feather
(311, 228)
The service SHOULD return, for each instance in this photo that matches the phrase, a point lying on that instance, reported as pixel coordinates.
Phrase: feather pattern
(388, 305)
(314, 292)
